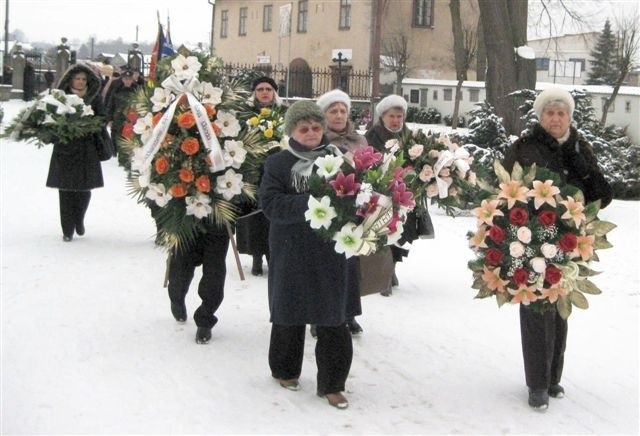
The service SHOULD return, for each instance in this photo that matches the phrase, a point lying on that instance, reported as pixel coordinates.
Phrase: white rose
(548, 250)
(516, 249)
(538, 264)
(524, 235)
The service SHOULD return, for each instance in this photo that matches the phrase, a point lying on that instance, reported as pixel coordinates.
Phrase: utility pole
(375, 49)
(5, 61)
(213, 22)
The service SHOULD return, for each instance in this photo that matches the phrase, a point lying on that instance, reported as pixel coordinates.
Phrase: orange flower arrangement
(190, 145)
(162, 165)
(186, 120)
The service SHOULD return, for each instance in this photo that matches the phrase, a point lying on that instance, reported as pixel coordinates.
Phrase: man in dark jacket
(116, 102)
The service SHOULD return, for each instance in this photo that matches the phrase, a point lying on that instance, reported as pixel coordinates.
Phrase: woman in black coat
(252, 231)
(555, 145)
(309, 281)
(75, 167)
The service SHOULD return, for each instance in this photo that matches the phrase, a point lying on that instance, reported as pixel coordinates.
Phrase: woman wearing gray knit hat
(556, 145)
(309, 281)
(389, 123)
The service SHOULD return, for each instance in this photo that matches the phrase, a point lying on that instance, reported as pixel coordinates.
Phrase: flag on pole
(167, 49)
(161, 48)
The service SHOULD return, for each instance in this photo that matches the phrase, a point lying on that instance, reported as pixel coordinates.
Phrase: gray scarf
(302, 169)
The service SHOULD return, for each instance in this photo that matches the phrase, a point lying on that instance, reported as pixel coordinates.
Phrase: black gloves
(574, 161)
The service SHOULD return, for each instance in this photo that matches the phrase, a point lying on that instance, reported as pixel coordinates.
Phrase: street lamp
(213, 22)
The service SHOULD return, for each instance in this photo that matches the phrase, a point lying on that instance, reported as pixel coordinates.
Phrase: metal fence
(309, 82)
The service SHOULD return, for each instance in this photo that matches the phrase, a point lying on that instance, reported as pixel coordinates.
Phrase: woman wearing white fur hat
(556, 145)
(389, 123)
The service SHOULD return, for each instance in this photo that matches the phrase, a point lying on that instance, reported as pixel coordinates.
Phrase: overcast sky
(48, 20)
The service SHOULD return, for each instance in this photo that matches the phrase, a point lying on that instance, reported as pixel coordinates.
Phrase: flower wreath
(359, 200)
(55, 116)
(534, 242)
(268, 124)
(190, 160)
(438, 169)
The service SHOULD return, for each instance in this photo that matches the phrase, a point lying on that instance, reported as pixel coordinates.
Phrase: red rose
(178, 190)
(186, 120)
(127, 131)
(132, 115)
(552, 274)
(518, 216)
(186, 175)
(162, 165)
(190, 146)
(568, 242)
(203, 184)
(547, 218)
(496, 233)
(494, 256)
(520, 276)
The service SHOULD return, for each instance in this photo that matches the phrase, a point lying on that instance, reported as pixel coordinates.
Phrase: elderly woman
(252, 231)
(341, 132)
(556, 145)
(75, 167)
(309, 283)
(389, 123)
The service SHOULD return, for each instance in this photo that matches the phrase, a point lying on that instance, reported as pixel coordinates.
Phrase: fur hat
(302, 110)
(264, 79)
(331, 97)
(390, 101)
(553, 95)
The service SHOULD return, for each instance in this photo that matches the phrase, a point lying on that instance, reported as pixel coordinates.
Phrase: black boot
(203, 335)
(556, 391)
(256, 269)
(179, 311)
(538, 399)
(354, 327)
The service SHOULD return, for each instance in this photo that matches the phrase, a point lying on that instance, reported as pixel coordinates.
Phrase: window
(224, 24)
(242, 29)
(579, 67)
(267, 18)
(542, 64)
(424, 94)
(435, 95)
(303, 12)
(627, 106)
(474, 95)
(345, 14)
(423, 13)
(414, 96)
(448, 94)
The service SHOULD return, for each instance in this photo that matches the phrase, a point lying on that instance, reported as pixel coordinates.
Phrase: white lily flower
(320, 213)
(198, 205)
(161, 98)
(87, 111)
(158, 193)
(328, 166)
(144, 127)
(210, 94)
(229, 185)
(348, 239)
(185, 68)
(364, 195)
(227, 123)
(74, 100)
(234, 153)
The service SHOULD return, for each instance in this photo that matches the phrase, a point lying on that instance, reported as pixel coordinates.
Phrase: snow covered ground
(89, 345)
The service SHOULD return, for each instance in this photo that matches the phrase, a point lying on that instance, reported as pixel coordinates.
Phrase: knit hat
(390, 101)
(333, 96)
(550, 96)
(264, 79)
(302, 110)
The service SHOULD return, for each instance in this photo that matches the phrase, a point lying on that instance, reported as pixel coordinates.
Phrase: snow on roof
(438, 82)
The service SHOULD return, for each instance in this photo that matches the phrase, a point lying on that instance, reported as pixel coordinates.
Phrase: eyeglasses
(305, 129)
(264, 89)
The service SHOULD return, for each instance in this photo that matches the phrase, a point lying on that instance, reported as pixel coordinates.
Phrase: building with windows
(339, 34)
(564, 59)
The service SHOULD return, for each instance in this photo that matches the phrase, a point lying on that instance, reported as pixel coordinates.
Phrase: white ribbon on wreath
(207, 134)
(454, 156)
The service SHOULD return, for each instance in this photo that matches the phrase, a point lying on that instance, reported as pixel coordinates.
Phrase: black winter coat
(308, 281)
(574, 161)
(75, 166)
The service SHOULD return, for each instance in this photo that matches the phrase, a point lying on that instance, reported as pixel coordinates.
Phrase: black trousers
(73, 207)
(544, 340)
(334, 353)
(210, 251)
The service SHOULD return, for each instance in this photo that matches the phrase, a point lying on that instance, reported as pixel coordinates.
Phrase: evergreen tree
(604, 69)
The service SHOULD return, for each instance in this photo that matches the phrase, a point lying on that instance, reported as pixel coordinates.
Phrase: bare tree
(464, 48)
(625, 58)
(395, 57)
(504, 24)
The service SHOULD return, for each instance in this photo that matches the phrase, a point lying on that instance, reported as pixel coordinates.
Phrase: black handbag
(104, 145)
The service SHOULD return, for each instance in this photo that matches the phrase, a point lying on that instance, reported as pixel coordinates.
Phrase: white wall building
(440, 94)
